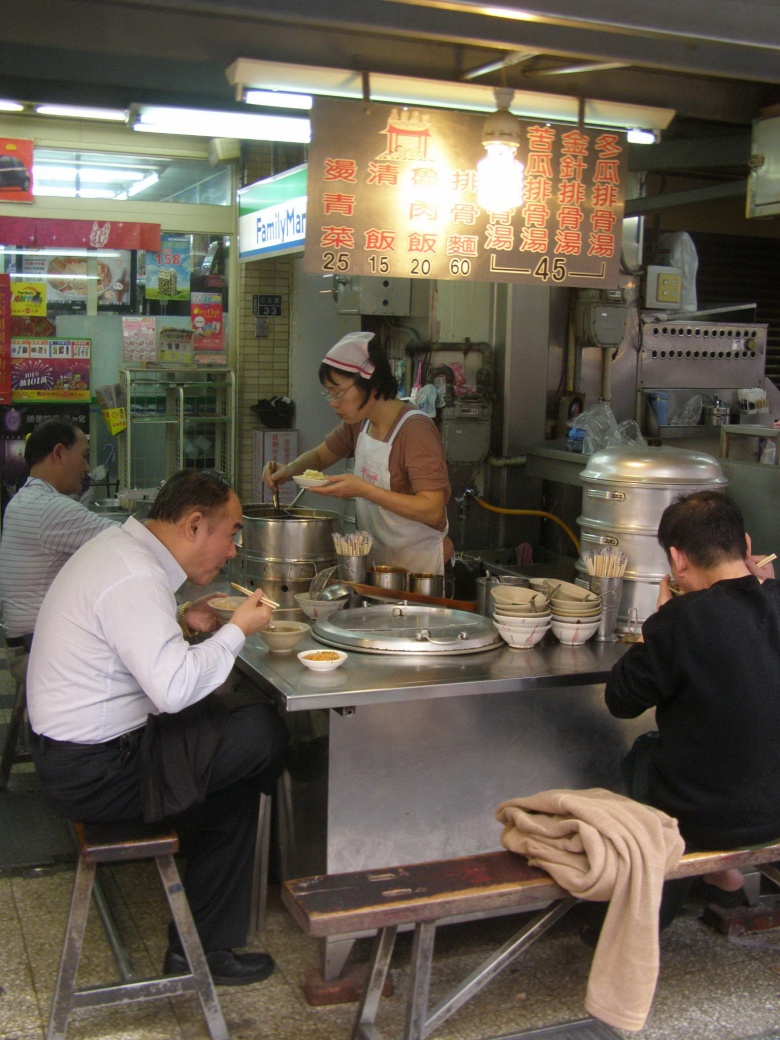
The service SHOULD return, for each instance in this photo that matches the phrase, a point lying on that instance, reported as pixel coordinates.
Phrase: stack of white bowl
(576, 612)
(522, 616)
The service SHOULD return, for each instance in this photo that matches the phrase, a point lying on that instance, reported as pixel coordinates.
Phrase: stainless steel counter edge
(366, 679)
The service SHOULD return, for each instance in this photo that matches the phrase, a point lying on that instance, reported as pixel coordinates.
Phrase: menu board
(392, 193)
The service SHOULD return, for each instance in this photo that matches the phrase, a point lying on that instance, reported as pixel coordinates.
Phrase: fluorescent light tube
(247, 126)
(112, 115)
(278, 99)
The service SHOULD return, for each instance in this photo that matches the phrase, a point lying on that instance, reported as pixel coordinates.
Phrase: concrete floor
(710, 987)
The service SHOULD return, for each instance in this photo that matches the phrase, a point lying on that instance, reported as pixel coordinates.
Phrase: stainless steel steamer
(281, 552)
(625, 492)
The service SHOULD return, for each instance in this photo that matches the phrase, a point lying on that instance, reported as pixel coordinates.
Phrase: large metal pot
(625, 492)
(281, 552)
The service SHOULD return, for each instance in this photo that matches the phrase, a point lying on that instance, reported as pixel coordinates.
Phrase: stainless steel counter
(382, 678)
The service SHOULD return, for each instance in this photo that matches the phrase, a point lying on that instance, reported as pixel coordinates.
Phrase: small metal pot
(427, 584)
(715, 414)
(386, 577)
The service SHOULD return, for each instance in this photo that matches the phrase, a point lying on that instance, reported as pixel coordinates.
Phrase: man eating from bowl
(123, 724)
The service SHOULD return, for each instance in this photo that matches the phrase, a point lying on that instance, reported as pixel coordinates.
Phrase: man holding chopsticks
(710, 667)
(119, 702)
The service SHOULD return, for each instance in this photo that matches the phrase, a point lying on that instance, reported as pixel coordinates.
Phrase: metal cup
(609, 590)
(352, 568)
(427, 584)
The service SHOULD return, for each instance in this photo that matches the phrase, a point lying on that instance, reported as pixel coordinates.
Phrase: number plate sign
(392, 192)
(266, 306)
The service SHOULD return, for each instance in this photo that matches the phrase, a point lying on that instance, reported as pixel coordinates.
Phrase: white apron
(397, 541)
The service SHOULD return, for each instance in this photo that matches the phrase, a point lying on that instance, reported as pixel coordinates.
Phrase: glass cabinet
(177, 418)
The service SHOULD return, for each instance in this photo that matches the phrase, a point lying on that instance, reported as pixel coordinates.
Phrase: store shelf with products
(177, 418)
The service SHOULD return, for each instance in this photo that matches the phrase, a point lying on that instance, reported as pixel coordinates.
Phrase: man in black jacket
(709, 664)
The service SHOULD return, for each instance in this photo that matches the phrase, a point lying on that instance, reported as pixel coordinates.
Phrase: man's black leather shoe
(227, 968)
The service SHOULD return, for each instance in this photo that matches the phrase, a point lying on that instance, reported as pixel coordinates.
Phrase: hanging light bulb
(500, 174)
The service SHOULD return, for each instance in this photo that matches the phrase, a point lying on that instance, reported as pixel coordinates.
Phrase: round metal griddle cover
(400, 628)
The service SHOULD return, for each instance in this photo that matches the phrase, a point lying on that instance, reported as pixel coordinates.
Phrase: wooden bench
(426, 894)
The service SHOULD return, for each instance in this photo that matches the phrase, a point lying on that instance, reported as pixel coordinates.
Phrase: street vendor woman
(400, 484)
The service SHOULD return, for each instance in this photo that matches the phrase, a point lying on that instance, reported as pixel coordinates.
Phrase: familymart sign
(272, 216)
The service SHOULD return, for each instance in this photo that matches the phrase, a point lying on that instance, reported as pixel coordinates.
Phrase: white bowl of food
(319, 608)
(311, 478)
(322, 660)
(284, 636)
(574, 633)
(223, 606)
(521, 638)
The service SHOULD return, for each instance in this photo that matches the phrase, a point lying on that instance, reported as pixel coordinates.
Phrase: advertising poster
(168, 270)
(5, 339)
(66, 279)
(28, 299)
(50, 370)
(392, 191)
(206, 312)
(139, 340)
(16, 170)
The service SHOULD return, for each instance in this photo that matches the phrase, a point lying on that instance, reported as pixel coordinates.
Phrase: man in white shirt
(42, 526)
(123, 724)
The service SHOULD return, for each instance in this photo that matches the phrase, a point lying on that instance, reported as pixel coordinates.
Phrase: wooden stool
(11, 753)
(122, 842)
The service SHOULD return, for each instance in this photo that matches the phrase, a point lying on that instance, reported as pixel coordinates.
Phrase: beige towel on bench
(602, 846)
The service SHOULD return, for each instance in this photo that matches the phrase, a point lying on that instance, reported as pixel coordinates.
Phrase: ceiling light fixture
(111, 115)
(500, 173)
(278, 99)
(139, 186)
(244, 126)
(637, 136)
(10, 106)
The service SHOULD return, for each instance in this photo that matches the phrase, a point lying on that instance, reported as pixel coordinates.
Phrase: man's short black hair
(707, 526)
(189, 490)
(45, 438)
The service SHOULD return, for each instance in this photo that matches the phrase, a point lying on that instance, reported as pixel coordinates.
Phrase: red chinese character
(568, 242)
(381, 240)
(570, 217)
(335, 202)
(537, 189)
(601, 245)
(499, 236)
(572, 167)
(607, 171)
(382, 173)
(464, 181)
(502, 218)
(462, 245)
(465, 213)
(534, 240)
(571, 193)
(337, 238)
(574, 142)
(604, 195)
(536, 214)
(603, 220)
(539, 165)
(608, 145)
(340, 170)
(540, 138)
(422, 243)
(428, 210)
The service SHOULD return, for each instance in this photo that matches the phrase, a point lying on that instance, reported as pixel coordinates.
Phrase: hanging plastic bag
(689, 414)
(602, 430)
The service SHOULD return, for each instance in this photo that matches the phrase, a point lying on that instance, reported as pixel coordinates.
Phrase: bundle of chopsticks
(606, 563)
(356, 544)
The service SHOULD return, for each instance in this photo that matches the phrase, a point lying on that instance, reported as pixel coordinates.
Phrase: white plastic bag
(676, 249)
(602, 430)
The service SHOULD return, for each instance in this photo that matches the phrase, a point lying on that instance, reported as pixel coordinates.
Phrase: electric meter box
(374, 295)
(465, 431)
(600, 323)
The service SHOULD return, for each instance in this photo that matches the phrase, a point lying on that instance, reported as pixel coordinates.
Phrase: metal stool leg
(71, 951)
(10, 754)
(259, 894)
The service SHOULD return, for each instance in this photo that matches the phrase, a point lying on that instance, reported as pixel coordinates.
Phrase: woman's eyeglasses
(331, 398)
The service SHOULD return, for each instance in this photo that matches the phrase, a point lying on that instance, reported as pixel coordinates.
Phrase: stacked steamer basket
(522, 616)
(576, 612)
(626, 489)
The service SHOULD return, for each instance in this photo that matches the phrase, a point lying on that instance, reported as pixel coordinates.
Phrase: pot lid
(646, 465)
(407, 628)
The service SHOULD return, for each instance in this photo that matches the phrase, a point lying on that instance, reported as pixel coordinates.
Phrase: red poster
(47, 232)
(206, 311)
(16, 163)
(5, 339)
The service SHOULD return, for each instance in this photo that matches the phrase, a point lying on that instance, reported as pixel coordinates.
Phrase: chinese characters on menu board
(392, 193)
